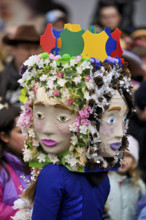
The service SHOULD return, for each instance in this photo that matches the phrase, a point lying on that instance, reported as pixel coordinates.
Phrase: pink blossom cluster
(82, 118)
(25, 119)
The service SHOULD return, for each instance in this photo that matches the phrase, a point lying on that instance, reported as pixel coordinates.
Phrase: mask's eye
(125, 119)
(111, 120)
(39, 115)
(63, 118)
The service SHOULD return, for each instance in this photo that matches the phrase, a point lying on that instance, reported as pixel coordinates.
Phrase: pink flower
(85, 121)
(25, 119)
(77, 122)
(56, 92)
(51, 56)
(85, 112)
(34, 90)
(87, 78)
(78, 58)
(70, 101)
(60, 74)
(57, 57)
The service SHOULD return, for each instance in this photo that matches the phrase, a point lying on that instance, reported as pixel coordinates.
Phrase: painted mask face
(51, 124)
(112, 126)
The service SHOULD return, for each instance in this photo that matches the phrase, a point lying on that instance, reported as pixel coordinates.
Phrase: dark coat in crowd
(9, 87)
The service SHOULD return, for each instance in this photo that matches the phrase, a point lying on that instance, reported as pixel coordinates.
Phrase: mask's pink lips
(49, 142)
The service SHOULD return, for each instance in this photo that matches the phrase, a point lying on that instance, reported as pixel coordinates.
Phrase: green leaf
(23, 98)
(69, 73)
(81, 142)
(80, 93)
(23, 91)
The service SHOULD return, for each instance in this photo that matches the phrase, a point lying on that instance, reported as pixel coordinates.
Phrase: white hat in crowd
(133, 148)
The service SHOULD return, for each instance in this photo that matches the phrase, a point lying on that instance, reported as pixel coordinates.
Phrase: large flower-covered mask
(65, 99)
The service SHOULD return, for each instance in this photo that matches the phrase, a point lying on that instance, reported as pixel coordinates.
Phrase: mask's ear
(4, 137)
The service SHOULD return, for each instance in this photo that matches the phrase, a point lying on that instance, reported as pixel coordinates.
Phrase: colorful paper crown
(75, 41)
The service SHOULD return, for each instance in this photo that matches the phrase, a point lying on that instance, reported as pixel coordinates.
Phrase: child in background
(12, 169)
(126, 185)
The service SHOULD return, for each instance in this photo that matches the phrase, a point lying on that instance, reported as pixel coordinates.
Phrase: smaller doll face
(112, 126)
(51, 124)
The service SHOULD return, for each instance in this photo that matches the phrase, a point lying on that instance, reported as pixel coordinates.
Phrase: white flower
(27, 156)
(35, 142)
(79, 70)
(54, 159)
(87, 96)
(32, 60)
(83, 129)
(43, 77)
(73, 62)
(74, 140)
(41, 158)
(53, 64)
(50, 84)
(85, 65)
(23, 214)
(21, 204)
(31, 94)
(51, 93)
(65, 94)
(73, 128)
(31, 132)
(77, 79)
(71, 160)
(61, 82)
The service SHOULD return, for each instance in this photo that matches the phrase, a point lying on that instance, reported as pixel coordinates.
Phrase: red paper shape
(47, 40)
(118, 52)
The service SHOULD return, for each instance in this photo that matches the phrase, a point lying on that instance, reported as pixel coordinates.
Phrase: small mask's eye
(125, 119)
(39, 115)
(111, 120)
(63, 118)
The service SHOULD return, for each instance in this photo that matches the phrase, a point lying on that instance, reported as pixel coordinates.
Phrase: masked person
(74, 118)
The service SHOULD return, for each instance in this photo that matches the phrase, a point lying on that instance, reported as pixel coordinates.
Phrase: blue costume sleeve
(48, 194)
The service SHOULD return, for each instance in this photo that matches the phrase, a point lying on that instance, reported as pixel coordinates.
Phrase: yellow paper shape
(72, 27)
(94, 45)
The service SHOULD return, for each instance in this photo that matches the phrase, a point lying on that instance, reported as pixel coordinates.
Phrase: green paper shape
(92, 29)
(72, 42)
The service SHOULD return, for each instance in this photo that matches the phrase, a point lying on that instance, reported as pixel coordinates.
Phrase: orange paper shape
(95, 45)
(47, 40)
(118, 52)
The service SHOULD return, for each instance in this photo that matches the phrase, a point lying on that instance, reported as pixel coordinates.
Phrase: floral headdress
(84, 85)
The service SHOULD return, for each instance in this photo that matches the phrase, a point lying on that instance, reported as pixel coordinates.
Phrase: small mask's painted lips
(115, 146)
(49, 142)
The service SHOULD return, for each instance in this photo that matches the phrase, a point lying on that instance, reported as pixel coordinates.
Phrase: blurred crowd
(21, 24)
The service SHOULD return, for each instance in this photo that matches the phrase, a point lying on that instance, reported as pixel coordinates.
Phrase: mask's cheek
(63, 129)
(38, 126)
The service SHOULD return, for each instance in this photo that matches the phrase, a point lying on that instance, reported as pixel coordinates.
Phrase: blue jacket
(64, 195)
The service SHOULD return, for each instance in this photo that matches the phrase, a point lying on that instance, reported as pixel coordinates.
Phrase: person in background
(139, 36)
(126, 185)
(58, 18)
(109, 16)
(141, 52)
(137, 125)
(23, 43)
(115, 13)
(12, 168)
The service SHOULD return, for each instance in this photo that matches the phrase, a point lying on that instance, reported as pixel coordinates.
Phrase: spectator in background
(115, 13)
(126, 185)
(141, 52)
(12, 168)
(139, 36)
(137, 125)
(24, 43)
(57, 17)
